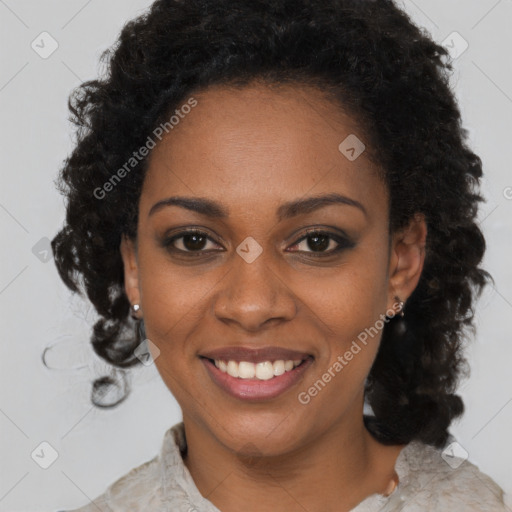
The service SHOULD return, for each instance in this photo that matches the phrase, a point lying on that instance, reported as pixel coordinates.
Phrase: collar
(179, 487)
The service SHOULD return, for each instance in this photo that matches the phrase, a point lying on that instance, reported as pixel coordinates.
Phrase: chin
(260, 434)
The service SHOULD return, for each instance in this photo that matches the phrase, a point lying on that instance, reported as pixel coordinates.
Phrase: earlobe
(407, 259)
(131, 274)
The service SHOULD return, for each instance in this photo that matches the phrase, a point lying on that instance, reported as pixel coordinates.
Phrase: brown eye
(318, 243)
(323, 243)
(189, 241)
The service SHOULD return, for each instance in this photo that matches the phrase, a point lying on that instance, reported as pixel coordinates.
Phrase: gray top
(427, 483)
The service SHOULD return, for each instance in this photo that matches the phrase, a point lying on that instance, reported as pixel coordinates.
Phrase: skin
(251, 150)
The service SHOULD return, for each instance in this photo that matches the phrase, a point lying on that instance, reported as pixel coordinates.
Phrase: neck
(337, 470)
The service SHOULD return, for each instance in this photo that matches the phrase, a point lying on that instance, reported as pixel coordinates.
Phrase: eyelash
(343, 243)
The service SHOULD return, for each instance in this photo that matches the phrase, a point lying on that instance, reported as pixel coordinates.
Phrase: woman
(276, 199)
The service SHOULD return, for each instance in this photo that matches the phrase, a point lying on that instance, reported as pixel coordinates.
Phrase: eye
(319, 241)
(190, 241)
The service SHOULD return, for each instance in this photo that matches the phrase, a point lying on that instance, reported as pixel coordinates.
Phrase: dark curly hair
(384, 70)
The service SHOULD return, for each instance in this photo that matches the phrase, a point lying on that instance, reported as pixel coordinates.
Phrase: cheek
(352, 297)
(174, 303)
(351, 305)
(350, 309)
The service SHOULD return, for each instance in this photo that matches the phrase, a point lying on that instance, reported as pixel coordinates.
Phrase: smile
(264, 370)
(259, 381)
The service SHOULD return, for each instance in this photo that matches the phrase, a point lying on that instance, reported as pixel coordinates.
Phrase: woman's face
(254, 279)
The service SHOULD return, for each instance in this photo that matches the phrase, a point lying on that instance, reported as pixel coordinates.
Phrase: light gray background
(95, 447)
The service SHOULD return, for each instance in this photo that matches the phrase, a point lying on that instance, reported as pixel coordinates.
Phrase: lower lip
(255, 389)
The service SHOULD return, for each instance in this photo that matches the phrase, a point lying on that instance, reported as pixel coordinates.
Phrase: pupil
(322, 245)
(195, 244)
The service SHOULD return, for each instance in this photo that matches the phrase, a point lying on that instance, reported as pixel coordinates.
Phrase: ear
(406, 259)
(131, 270)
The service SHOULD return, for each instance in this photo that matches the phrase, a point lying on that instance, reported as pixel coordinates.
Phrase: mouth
(256, 380)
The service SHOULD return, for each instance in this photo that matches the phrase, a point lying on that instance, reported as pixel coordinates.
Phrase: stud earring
(135, 308)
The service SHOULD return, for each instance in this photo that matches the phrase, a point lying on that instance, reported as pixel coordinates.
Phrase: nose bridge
(251, 293)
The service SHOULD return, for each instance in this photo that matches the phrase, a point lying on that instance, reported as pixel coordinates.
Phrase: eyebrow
(287, 210)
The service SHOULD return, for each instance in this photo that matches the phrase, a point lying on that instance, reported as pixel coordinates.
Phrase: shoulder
(149, 485)
(445, 482)
(134, 491)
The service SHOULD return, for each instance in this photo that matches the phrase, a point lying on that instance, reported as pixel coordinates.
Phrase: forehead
(248, 145)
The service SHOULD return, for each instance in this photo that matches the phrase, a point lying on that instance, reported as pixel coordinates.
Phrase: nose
(253, 295)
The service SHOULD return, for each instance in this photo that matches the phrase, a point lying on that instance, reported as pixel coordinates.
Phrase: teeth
(264, 370)
(233, 368)
(246, 370)
(278, 368)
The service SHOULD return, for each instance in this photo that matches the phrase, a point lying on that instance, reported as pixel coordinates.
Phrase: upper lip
(254, 355)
